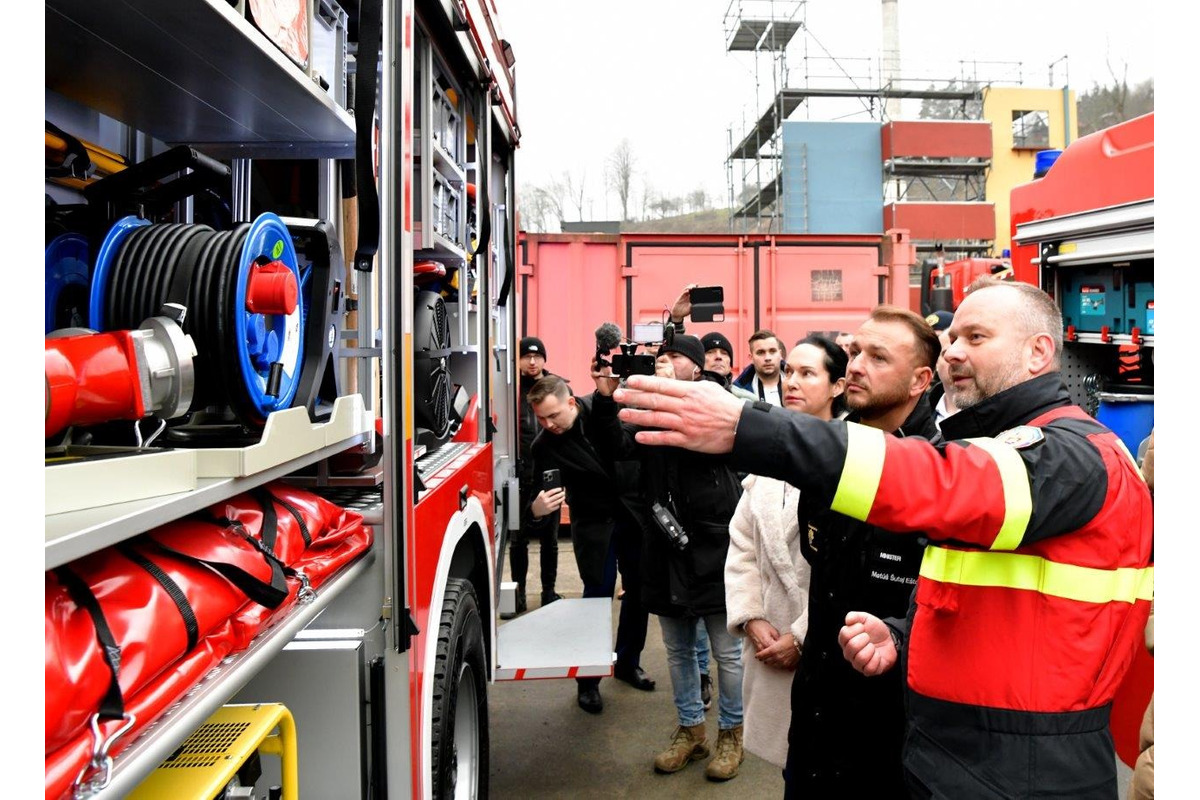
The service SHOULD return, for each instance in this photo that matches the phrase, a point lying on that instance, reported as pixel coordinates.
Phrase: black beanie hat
(532, 344)
(716, 340)
(685, 345)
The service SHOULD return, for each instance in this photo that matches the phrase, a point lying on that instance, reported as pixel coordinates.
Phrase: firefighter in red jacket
(1037, 581)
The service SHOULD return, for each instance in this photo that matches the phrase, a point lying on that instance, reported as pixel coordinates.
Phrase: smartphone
(708, 303)
(551, 479)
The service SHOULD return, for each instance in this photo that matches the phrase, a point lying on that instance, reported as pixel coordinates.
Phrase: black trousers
(518, 551)
(624, 556)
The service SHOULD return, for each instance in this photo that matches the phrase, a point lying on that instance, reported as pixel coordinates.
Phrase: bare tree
(540, 206)
(1104, 106)
(573, 189)
(619, 174)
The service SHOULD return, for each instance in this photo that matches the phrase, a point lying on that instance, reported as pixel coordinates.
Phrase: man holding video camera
(692, 498)
(607, 517)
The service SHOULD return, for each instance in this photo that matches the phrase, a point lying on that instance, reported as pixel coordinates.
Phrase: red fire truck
(280, 316)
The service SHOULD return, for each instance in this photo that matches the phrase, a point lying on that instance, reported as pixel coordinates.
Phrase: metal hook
(306, 594)
(100, 759)
(137, 431)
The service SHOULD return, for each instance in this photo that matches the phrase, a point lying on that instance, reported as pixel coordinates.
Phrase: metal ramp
(569, 638)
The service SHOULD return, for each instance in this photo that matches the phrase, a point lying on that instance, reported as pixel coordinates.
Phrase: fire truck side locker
(1085, 232)
(196, 71)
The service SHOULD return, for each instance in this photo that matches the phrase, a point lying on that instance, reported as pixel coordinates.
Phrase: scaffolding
(768, 30)
(764, 29)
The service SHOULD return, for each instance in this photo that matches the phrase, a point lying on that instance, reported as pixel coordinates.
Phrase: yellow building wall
(1014, 166)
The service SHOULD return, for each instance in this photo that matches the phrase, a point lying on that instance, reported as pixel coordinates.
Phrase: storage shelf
(434, 246)
(288, 443)
(75, 534)
(170, 730)
(1114, 339)
(191, 71)
(446, 165)
(443, 162)
(370, 477)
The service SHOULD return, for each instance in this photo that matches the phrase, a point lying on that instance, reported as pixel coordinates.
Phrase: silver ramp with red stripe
(565, 639)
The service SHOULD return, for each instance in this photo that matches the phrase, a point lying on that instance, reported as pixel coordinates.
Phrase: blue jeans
(701, 646)
(679, 638)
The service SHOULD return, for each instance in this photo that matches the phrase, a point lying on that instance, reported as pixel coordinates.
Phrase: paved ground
(544, 745)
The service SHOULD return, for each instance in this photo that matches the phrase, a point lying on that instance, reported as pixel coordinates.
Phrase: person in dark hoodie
(531, 366)
(684, 581)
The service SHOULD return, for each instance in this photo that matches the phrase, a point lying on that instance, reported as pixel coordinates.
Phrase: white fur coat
(766, 577)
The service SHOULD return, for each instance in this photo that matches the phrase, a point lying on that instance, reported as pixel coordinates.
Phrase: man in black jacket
(856, 566)
(532, 366)
(684, 582)
(606, 521)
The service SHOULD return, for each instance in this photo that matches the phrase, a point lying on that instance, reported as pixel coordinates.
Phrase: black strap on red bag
(269, 594)
(266, 497)
(170, 587)
(112, 706)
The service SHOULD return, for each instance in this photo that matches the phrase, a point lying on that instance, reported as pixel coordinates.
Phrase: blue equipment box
(1141, 314)
(1093, 298)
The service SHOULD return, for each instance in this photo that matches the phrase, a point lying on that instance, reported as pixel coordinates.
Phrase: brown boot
(687, 745)
(729, 756)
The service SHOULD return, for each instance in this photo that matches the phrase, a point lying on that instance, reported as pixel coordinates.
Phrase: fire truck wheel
(460, 721)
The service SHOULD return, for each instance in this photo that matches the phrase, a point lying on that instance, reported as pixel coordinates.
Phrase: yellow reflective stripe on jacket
(865, 448)
(1037, 574)
(1018, 500)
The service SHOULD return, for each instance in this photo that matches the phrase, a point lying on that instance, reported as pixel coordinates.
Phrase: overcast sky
(657, 72)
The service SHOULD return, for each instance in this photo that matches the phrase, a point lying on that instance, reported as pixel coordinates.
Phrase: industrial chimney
(890, 61)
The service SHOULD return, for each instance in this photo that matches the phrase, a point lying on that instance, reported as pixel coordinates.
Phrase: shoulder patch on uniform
(1021, 437)
(932, 319)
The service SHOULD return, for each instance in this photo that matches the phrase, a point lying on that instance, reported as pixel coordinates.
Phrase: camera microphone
(608, 336)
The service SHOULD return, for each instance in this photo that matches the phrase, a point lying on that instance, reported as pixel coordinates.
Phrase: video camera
(629, 361)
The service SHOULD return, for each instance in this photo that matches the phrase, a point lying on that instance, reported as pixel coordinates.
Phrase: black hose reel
(241, 294)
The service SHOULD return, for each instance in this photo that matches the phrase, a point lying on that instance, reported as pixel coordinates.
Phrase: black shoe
(634, 677)
(547, 599)
(589, 699)
(706, 690)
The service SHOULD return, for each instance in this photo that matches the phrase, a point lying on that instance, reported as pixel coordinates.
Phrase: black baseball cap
(532, 344)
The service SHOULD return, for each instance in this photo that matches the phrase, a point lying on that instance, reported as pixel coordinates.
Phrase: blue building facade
(832, 177)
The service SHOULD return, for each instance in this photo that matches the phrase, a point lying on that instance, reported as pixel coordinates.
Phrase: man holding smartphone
(532, 366)
(607, 517)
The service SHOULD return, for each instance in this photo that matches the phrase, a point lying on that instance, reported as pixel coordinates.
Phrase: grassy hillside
(713, 220)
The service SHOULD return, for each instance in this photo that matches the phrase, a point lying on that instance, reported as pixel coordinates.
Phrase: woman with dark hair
(766, 577)
(836, 361)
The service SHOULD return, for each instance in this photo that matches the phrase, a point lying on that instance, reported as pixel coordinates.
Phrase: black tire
(459, 764)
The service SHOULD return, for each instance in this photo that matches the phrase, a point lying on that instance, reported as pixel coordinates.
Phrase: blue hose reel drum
(67, 282)
(269, 338)
(239, 345)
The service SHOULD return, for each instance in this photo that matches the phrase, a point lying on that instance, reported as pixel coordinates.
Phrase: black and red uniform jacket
(1033, 592)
